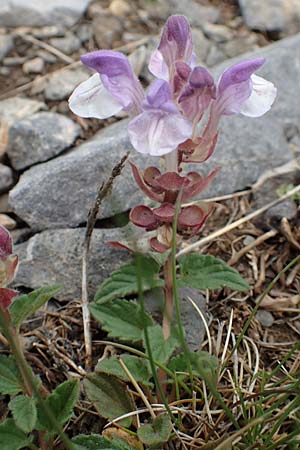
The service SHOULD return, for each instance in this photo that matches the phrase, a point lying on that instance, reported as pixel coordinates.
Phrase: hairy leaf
(97, 442)
(203, 365)
(124, 281)
(208, 272)
(10, 379)
(109, 396)
(26, 305)
(61, 402)
(157, 432)
(161, 350)
(138, 367)
(11, 437)
(24, 412)
(122, 319)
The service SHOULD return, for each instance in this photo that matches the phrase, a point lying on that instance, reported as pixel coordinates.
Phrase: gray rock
(46, 56)
(49, 32)
(239, 45)
(67, 44)
(265, 318)
(218, 33)
(17, 108)
(36, 13)
(191, 320)
(196, 14)
(271, 15)
(201, 45)
(61, 84)
(107, 29)
(6, 178)
(56, 257)
(68, 184)
(39, 138)
(214, 56)
(62, 190)
(270, 191)
(84, 32)
(6, 45)
(35, 65)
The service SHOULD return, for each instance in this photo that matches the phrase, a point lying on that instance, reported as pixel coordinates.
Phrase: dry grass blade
(234, 259)
(103, 191)
(236, 224)
(49, 48)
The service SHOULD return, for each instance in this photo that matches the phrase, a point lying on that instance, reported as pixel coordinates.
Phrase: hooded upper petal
(176, 42)
(235, 86)
(92, 99)
(261, 99)
(117, 77)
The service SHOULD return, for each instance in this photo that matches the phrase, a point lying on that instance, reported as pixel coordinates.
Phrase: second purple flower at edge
(169, 113)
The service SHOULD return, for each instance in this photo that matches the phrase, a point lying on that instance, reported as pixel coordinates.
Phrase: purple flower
(8, 266)
(167, 117)
(160, 128)
(239, 91)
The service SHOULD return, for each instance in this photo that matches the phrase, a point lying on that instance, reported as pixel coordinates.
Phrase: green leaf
(203, 364)
(10, 379)
(109, 395)
(157, 432)
(24, 412)
(161, 350)
(122, 319)
(123, 281)
(62, 402)
(208, 272)
(97, 442)
(26, 305)
(11, 437)
(138, 367)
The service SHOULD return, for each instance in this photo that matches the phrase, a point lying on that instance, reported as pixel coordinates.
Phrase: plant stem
(30, 387)
(148, 345)
(168, 308)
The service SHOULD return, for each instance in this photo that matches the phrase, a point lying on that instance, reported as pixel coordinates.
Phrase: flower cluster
(8, 266)
(167, 119)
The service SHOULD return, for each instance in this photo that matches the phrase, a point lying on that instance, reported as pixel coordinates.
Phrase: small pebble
(48, 32)
(119, 8)
(35, 65)
(47, 56)
(84, 32)
(14, 60)
(4, 205)
(6, 178)
(265, 318)
(218, 33)
(6, 45)
(7, 222)
(68, 44)
(248, 240)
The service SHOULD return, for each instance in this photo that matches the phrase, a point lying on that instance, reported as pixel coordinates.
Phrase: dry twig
(103, 191)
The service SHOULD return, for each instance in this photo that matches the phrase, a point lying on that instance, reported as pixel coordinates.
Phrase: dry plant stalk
(103, 191)
(237, 223)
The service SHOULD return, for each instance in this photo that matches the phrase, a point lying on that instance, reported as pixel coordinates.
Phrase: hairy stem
(168, 308)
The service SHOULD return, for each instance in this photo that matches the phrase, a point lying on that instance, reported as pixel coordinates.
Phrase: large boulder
(39, 138)
(36, 13)
(55, 256)
(59, 193)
